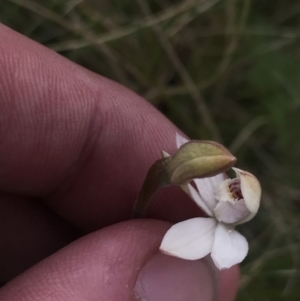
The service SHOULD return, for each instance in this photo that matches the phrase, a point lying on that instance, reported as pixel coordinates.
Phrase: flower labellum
(239, 198)
(227, 202)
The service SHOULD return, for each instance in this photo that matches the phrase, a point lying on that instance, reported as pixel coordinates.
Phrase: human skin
(75, 148)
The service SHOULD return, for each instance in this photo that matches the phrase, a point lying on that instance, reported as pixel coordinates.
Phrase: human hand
(75, 148)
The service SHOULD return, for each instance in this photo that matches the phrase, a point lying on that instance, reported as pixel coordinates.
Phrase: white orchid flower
(227, 202)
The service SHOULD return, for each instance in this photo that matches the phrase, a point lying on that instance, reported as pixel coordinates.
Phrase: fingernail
(165, 278)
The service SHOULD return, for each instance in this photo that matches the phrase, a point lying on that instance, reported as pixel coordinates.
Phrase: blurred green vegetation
(226, 70)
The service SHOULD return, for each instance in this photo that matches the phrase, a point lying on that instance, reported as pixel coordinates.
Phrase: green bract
(195, 159)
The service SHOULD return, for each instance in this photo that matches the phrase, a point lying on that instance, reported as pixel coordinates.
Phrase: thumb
(117, 263)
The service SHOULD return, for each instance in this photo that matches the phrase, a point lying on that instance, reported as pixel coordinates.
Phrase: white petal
(230, 213)
(180, 140)
(195, 196)
(229, 248)
(251, 191)
(208, 188)
(165, 154)
(191, 239)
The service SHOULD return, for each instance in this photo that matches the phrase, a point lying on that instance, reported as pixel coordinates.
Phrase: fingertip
(117, 263)
(100, 266)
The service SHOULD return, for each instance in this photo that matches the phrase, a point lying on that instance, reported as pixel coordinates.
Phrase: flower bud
(198, 159)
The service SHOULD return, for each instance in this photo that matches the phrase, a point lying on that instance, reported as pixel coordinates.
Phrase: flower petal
(230, 213)
(195, 196)
(180, 140)
(165, 154)
(229, 248)
(251, 191)
(191, 239)
(208, 187)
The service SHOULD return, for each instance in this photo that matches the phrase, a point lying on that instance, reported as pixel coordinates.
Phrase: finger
(78, 141)
(29, 232)
(118, 263)
(228, 284)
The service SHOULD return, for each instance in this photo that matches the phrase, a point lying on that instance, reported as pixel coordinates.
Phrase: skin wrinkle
(113, 140)
(85, 155)
(37, 109)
